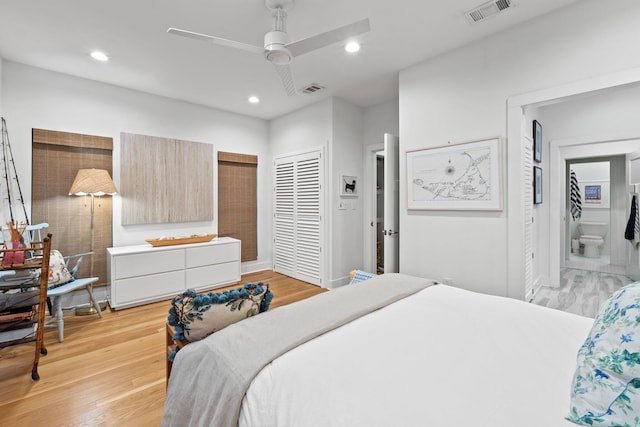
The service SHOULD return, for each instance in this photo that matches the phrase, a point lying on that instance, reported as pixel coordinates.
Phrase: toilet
(592, 237)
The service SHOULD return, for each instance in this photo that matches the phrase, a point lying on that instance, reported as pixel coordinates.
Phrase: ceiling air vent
(312, 88)
(487, 9)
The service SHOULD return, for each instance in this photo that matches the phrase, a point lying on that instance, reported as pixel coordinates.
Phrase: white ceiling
(58, 35)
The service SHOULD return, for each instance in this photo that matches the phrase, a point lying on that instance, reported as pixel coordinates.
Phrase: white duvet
(442, 357)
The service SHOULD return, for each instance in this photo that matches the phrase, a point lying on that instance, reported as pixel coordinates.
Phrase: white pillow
(58, 272)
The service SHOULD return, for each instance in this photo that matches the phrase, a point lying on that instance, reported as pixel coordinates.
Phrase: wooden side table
(172, 345)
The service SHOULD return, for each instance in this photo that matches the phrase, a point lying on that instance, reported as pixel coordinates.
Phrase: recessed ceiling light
(254, 99)
(352, 47)
(99, 56)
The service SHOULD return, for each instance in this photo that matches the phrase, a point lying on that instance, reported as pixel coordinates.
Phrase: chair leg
(93, 300)
(59, 318)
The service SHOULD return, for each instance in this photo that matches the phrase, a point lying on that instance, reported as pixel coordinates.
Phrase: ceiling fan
(278, 49)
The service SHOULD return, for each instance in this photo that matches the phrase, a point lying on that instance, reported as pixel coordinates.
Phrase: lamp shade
(92, 181)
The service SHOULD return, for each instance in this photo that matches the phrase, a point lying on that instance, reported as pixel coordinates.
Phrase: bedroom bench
(200, 315)
(170, 347)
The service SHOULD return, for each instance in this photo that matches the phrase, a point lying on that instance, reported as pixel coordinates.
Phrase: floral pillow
(606, 385)
(58, 272)
(197, 316)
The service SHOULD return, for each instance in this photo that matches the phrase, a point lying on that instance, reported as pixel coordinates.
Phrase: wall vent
(487, 9)
(312, 88)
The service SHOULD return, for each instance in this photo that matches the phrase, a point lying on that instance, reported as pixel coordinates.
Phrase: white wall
(307, 128)
(346, 223)
(461, 96)
(35, 98)
(336, 126)
(381, 119)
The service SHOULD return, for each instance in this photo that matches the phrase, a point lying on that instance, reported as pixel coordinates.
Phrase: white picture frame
(348, 185)
(465, 176)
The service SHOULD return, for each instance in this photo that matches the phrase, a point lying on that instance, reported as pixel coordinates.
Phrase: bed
(434, 355)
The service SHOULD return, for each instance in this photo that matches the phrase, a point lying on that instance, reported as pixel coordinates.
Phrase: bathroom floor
(593, 264)
(581, 291)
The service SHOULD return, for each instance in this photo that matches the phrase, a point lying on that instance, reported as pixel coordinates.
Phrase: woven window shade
(56, 159)
(237, 201)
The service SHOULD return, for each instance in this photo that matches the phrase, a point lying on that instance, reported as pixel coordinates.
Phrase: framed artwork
(537, 141)
(349, 185)
(593, 194)
(537, 185)
(464, 176)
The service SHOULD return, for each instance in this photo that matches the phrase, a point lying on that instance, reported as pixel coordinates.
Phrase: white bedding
(442, 357)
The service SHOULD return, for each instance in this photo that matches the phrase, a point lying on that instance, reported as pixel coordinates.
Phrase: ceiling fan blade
(216, 40)
(318, 41)
(284, 71)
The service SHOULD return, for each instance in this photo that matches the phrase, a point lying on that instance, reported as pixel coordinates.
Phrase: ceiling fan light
(278, 56)
(352, 47)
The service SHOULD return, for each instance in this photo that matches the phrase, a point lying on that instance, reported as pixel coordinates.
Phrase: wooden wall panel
(237, 201)
(56, 158)
(194, 183)
(165, 180)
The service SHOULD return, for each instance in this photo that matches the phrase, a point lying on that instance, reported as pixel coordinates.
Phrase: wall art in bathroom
(465, 176)
(593, 194)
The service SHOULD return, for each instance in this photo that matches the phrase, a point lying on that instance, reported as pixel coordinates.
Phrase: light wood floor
(107, 372)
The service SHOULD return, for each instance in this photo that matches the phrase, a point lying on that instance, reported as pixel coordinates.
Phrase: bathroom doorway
(593, 201)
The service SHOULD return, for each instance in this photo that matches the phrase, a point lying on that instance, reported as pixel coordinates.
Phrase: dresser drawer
(207, 255)
(148, 263)
(146, 288)
(213, 275)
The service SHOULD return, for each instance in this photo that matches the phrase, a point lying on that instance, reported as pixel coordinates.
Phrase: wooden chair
(55, 294)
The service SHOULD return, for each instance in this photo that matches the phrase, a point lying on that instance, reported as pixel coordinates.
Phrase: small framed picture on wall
(537, 185)
(348, 185)
(537, 141)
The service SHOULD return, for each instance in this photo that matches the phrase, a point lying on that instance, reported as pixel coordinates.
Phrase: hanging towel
(632, 232)
(576, 198)
(636, 224)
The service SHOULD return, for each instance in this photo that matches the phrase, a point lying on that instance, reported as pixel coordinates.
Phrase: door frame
(369, 202)
(516, 125)
(559, 152)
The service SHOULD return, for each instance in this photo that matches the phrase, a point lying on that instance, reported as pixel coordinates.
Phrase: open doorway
(594, 241)
(567, 154)
(379, 222)
(382, 229)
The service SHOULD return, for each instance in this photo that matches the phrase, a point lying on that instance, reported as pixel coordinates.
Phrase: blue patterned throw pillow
(196, 316)
(359, 276)
(606, 385)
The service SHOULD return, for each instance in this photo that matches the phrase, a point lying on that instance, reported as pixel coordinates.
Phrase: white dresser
(142, 274)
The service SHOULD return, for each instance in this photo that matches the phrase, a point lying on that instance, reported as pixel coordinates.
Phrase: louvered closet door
(297, 219)
(527, 152)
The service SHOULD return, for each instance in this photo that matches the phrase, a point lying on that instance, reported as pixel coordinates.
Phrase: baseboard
(539, 282)
(255, 266)
(336, 283)
(81, 297)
